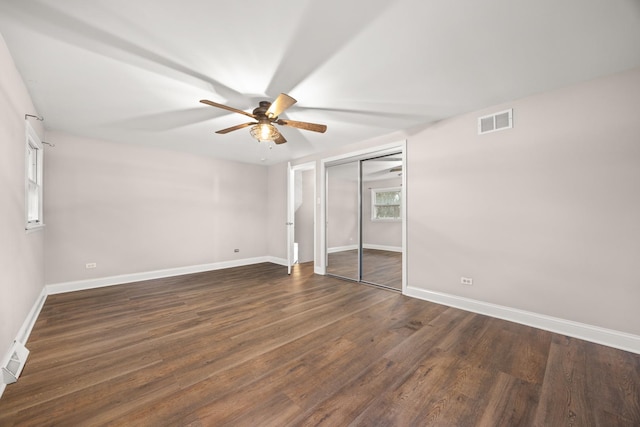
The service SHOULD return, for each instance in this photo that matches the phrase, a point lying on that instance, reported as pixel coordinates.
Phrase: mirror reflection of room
(342, 220)
(382, 221)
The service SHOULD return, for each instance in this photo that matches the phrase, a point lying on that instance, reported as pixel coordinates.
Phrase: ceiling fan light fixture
(265, 116)
(264, 132)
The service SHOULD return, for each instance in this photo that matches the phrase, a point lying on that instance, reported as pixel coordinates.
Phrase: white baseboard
(276, 260)
(341, 248)
(30, 321)
(608, 337)
(58, 288)
(25, 329)
(382, 247)
(2, 387)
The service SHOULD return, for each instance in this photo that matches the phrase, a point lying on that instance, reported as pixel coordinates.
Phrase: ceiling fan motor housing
(261, 111)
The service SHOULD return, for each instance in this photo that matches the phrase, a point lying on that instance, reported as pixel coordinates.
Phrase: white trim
(321, 226)
(33, 228)
(275, 260)
(342, 249)
(58, 288)
(290, 215)
(403, 211)
(608, 337)
(364, 153)
(291, 170)
(27, 326)
(34, 144)
(382, 247)
(30, 321)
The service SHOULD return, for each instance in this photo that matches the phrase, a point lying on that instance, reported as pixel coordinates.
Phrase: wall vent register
(495, 122)
(12, 367)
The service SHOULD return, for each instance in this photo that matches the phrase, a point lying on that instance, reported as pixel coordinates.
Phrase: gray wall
(277, 212)
(544, 217)
(136, 209)
(304, 209)
(21, 254)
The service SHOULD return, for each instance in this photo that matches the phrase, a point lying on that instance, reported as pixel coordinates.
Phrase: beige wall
(21, 254)
(544, 217)
(136, 209)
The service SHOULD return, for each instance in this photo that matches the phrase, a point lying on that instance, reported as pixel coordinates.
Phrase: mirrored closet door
(364, 220)
(343, 233)
(382, 221)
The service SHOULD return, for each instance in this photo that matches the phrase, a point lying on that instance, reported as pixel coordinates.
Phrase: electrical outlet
(236, 250)
(90, 265)
(466, 280)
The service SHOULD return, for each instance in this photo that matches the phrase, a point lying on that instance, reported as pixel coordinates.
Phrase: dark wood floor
(252, 346)
(378, 267)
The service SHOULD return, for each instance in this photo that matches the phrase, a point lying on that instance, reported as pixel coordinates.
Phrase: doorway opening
(301, 214)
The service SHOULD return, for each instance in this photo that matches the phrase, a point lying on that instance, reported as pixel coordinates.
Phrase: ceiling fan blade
(303, 125)
(225, 107)
(282, 102)
(279, 139)
(236, 127)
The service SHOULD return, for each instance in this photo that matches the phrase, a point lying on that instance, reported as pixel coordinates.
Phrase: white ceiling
(134, 71)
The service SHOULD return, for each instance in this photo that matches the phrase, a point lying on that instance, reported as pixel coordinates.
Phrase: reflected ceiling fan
(265, 115)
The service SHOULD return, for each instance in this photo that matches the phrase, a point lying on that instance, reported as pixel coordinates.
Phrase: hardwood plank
(346, 404)
(510, 402)
(616, 373)
(563, 398)
(253, 346)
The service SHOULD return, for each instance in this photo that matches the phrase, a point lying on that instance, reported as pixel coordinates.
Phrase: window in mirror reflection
(385, 204)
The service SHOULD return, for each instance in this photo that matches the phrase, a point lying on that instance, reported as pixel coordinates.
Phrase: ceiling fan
(265, 115)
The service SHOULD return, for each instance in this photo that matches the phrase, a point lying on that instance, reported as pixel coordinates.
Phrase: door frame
(291, 191)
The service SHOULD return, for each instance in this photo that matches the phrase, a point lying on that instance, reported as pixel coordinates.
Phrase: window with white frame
(385, 204)
(34, 155)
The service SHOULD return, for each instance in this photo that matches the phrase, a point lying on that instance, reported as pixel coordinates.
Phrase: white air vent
(12, 367)
(497, 121)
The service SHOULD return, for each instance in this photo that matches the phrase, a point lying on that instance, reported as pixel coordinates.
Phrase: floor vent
(12, 367)
(494, 122)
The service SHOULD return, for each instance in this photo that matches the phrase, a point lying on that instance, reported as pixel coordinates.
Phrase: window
(385, 204)
(33, 180)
